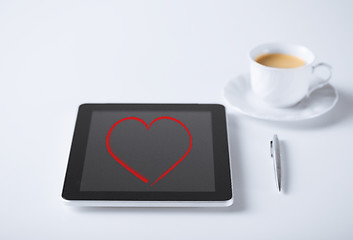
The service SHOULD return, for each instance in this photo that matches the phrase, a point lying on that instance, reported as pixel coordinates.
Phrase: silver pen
(276, 156)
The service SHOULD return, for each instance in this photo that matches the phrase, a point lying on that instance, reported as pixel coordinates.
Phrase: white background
(55, 55)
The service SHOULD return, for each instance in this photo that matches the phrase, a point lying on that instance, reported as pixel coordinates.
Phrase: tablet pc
(149, 155)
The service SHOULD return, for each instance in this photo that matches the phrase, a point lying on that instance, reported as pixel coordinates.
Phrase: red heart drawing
(133, 171)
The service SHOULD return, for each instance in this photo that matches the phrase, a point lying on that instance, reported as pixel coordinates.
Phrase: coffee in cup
(279, 60)
(281, 75)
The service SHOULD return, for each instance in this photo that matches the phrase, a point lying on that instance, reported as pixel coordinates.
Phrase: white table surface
(57, 55)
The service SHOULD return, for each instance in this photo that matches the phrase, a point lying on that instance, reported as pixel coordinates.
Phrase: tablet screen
(154, 151)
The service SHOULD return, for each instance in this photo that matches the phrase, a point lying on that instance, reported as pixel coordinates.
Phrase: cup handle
(319, 82)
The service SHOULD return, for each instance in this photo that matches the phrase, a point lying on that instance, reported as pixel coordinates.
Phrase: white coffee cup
(284, 87)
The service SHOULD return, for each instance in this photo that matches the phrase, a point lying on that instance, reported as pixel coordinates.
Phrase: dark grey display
(150, 152)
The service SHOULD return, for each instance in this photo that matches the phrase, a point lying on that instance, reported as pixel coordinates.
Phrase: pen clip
(271, 148)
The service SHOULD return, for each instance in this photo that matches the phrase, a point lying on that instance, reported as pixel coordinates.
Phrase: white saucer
(239, 96)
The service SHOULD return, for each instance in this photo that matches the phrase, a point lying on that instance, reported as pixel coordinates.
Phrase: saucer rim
(291, 119)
